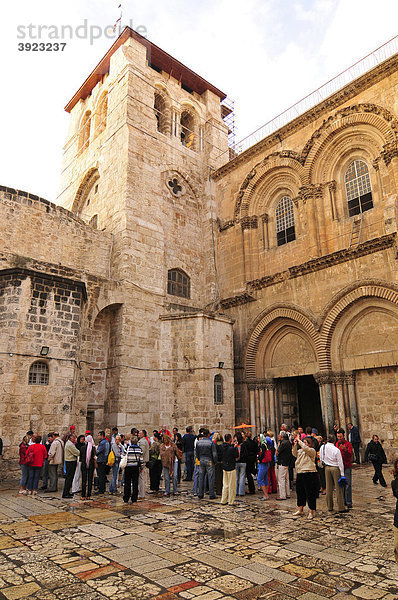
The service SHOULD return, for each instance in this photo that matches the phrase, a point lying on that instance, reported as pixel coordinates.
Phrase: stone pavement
(183, 548)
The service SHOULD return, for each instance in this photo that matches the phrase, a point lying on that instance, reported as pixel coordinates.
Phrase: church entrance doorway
(299, 402)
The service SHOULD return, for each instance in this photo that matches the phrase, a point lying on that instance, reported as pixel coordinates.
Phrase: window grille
(39, 373)
(358, 188)
(178, 283)
(285, 231)
(218, 390)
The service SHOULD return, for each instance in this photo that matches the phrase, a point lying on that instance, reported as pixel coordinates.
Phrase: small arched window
(160, 110)
(84, 133)
(187, 131)
(178, 283)
(358, 188)
(102, 112)
(284, 214)
(39, 373)
(218, 390)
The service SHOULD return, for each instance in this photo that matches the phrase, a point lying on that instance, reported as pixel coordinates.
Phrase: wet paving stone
(182, 548)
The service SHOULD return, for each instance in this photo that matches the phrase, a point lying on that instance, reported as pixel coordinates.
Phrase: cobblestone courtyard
(183, 548)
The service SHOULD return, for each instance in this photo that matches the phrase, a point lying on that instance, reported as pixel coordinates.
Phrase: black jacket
(284, 453)
(229, 456)
(375, 449)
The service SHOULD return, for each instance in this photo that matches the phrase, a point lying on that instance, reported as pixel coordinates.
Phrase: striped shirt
(135, 457)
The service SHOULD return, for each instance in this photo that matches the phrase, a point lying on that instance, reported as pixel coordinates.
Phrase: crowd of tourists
(216, 465)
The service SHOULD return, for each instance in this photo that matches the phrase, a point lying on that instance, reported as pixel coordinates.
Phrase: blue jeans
(167, 478)
(115, 473)
(206, 466)
(24, 475)
(240, 478)
(348, 488)
(189, 465)
(196, 480)
(33, 478)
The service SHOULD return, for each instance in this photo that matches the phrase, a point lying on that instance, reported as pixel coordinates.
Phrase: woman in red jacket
(35, 457)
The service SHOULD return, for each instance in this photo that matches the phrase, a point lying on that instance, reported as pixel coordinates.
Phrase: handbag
(267, 456)
(123, 462)
(373, 457)
(111, 459)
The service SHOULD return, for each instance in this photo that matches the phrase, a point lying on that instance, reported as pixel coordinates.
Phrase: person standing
(116, 448)
(35, 458)
(143, 443)
(250, 452)
(169, 457)
(355, 440)
(334, 469)
(155, 468)
(284, 459)
(240, 465)
(102, 453)
(394, 486)
(264, 458)
(87, 460)
(177, 439)
(346, 452)
(77, 479)
(229, 455)
(55, 458)
(71, 456)
(135, 462)
(188, 441)
(375, 453)
(23, 448)
(206, 453)
(44, 471)
(307, 476)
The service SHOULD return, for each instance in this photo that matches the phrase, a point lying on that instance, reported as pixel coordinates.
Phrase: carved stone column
(270, 385)
(352, 399)
(257, 409)
(339, 382)
(324, 380)
(263, 407)
(252, 398)
(250, 254)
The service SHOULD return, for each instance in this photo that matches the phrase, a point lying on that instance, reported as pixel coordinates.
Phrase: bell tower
(145, 134)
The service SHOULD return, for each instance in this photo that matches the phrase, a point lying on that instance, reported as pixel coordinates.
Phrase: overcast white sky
(265, 54)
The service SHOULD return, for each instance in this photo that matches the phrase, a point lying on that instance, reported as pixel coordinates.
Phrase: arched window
(39, 373)
(358, 188)
(187, 131)
(160, 110)
(178, 283)
(285, 221)
(102, 112)
(218, 390)
(84, 132)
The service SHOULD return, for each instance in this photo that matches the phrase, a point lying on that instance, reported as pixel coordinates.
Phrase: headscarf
(90, 443)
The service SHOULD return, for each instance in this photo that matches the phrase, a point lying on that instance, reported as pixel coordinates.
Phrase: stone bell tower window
(218, 390)
(285, 231)
(358, 188)
(39, 373)
(178, 283)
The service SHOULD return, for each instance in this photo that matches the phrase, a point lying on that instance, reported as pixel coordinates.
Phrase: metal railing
(327, 89)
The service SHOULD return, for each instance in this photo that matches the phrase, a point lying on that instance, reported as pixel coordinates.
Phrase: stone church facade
(169, 285)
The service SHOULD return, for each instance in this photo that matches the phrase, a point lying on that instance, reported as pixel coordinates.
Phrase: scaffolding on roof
(365, 64)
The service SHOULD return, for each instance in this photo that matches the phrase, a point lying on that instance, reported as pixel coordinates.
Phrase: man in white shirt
(334, 469)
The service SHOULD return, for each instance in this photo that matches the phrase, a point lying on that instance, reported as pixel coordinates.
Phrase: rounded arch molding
(373, 116)
(291, 315)
(335, 310)
(85, 186)
(287, 159)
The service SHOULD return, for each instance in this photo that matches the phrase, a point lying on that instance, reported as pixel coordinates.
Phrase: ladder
(356, 230)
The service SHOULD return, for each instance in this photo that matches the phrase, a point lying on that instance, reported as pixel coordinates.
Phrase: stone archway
(281, 359)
